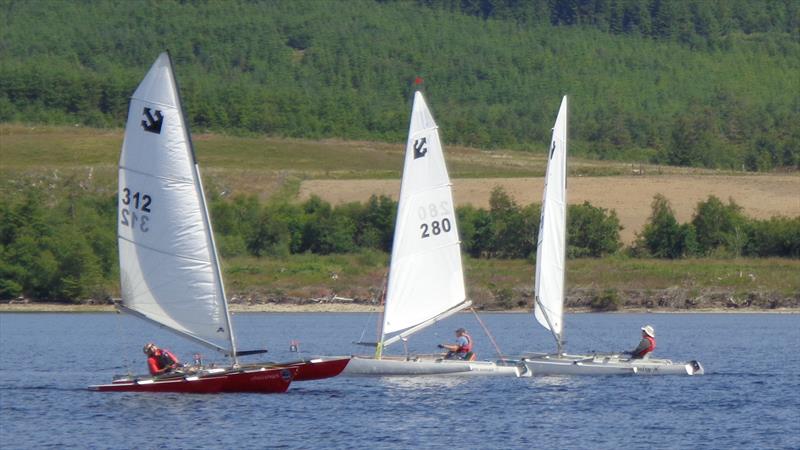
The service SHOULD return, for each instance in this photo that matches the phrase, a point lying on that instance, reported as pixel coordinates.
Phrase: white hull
(544, 365)
(427, 365)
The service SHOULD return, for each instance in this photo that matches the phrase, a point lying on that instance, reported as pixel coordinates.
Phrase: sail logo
(152, 122)
(419, 148)
(553, 150)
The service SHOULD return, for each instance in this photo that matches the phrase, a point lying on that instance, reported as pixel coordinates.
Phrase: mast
(206, 217)
(379, 347)
(169, 267)
(551, 246)
(426, 277)
(560, 335)
(556, 336)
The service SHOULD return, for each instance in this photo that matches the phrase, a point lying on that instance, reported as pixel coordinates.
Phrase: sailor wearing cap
(462, 349)
(646, 345)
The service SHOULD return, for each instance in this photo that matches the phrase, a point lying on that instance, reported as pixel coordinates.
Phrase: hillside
(685, 82)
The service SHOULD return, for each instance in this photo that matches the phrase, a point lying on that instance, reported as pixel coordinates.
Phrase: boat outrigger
(549, 284)
(426, 279)
(169, 268)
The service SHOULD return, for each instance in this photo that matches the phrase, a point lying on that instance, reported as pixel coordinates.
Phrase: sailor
(160, 361)
(646, 345)
(462, 349)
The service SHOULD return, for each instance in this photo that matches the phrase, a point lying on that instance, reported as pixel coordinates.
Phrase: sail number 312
(134, 215)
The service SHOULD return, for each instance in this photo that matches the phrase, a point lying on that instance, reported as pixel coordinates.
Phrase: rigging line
(491, 339)
(364, 328)
(378, 316)
(126, 360)
(382, 311)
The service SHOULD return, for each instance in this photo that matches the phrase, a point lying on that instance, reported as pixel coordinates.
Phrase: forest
(63, 247)
(681, 82)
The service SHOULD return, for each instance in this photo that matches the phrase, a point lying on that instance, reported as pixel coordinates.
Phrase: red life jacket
(465, 348)
(160, 360)
(648, 349)
(165, 359)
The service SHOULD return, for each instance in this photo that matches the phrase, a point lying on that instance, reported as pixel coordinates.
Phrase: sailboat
(169, 267)
(549, 283)
(426, 279)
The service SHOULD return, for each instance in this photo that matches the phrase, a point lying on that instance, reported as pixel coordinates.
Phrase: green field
(264, 164)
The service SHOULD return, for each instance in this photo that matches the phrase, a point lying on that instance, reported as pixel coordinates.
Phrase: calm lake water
(749, 397)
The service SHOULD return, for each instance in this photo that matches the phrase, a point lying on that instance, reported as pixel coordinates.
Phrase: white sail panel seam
(424, 131)
(177, 180)
(452, 244)
(427, 190)
(159, 104)
(163, 252)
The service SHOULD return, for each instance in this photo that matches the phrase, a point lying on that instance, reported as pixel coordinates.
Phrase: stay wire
(489, 335)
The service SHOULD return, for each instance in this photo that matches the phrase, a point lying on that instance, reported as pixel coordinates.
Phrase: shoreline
(360, 308)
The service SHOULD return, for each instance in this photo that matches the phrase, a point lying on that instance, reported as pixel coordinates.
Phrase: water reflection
(424, 382)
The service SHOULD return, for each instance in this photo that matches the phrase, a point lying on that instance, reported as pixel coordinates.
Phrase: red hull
(313, 369)
(260, 380)
(317, 369)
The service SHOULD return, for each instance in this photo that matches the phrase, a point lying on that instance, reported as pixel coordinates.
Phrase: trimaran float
(549, 283)
(169, 268)
(426, 280)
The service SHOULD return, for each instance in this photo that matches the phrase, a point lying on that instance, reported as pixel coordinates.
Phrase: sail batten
(551, 248)
(169, 273)
(425, 275)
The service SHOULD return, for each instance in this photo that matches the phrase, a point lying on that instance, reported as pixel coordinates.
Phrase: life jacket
(164, 359)
(465, 348)
(649, 349)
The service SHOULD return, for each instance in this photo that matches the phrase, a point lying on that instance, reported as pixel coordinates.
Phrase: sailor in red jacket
(160, 361)
(646, 345)
(462, 349)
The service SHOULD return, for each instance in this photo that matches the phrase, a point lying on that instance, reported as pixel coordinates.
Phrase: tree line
(63, 247)
(697, 23)
(679, 82)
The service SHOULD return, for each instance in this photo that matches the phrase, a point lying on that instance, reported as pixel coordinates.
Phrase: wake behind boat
(549, 284)
(426, 279)
(169, 268)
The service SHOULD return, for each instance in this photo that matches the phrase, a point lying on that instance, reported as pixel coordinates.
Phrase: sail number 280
(134, 215)
(430, 214)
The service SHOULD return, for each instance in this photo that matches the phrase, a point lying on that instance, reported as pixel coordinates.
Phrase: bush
(719, 227)
(593, 232)
(662, 236)
(609, 300)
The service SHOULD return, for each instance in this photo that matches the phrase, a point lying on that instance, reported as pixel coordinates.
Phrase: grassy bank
(508, 284)
(354, 282)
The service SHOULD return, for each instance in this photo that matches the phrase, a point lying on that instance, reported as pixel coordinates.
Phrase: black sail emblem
(152, 122)
(552, 150)
(419, 148)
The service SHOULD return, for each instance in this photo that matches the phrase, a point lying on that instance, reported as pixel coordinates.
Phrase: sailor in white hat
(646, 345)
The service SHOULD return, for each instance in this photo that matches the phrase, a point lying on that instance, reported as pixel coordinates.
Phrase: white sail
(425, 276)
(168, 264)
(551, 247)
